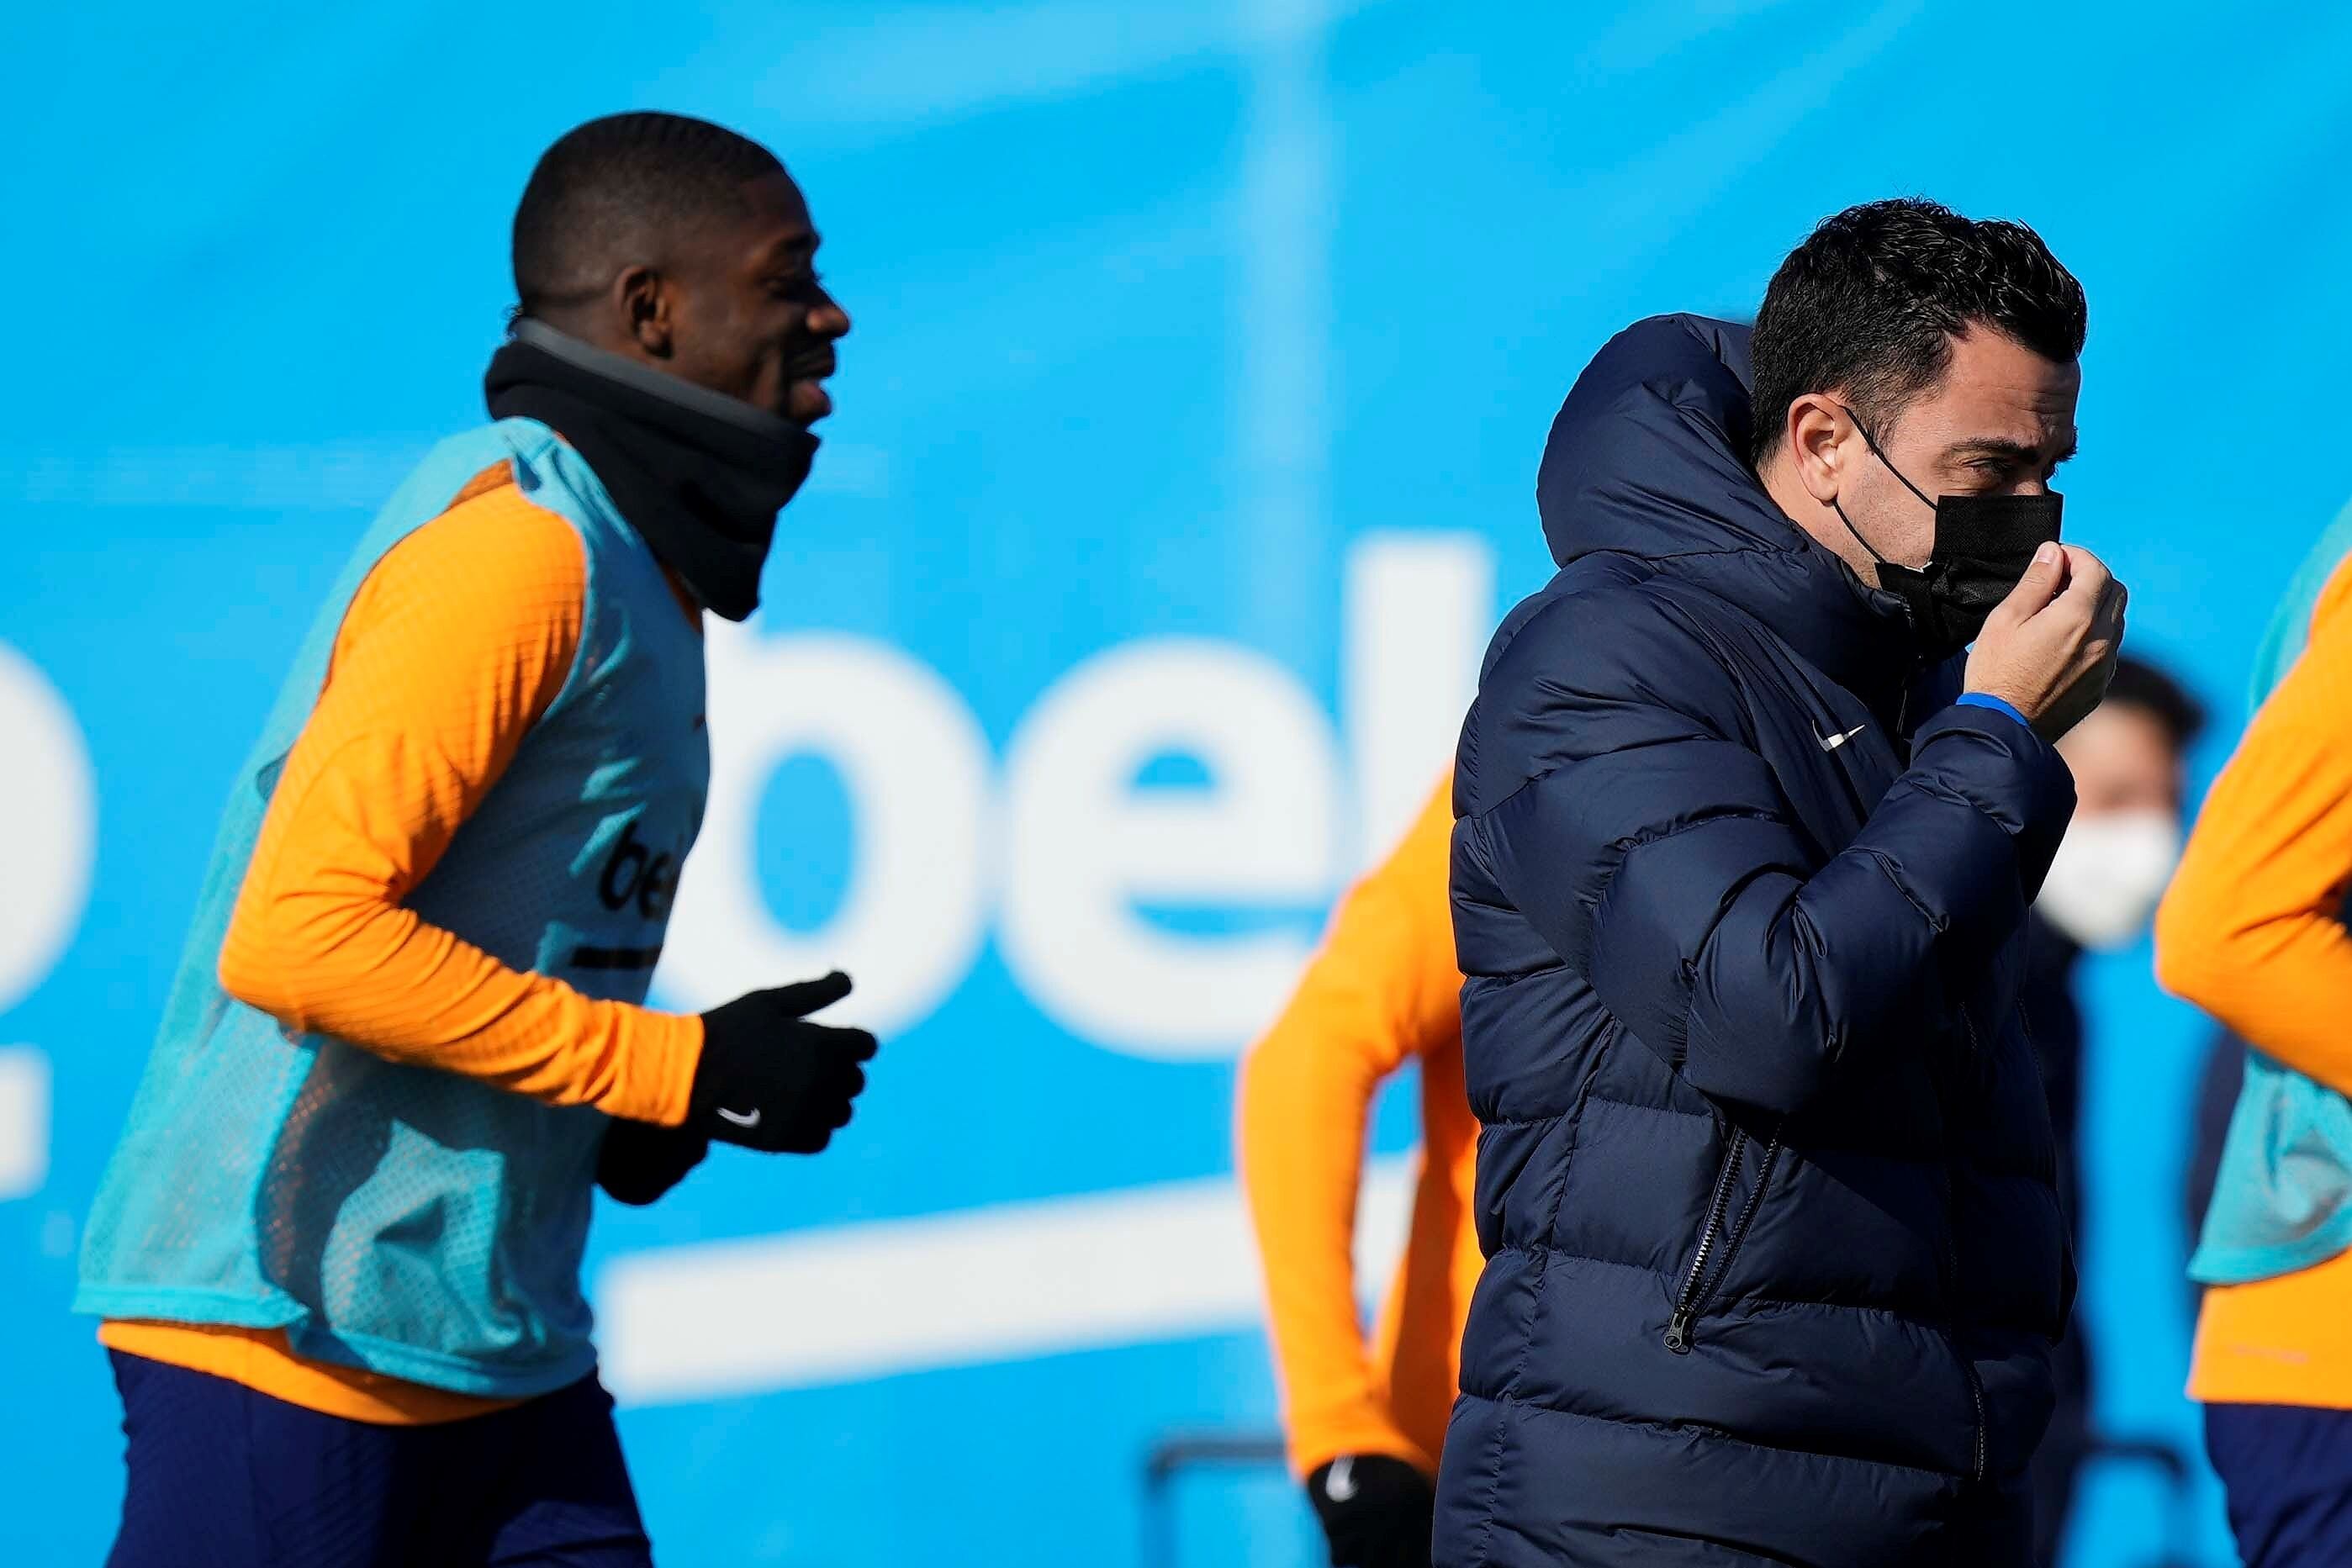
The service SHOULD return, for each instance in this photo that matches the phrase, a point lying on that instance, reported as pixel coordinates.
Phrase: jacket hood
(1648, 459)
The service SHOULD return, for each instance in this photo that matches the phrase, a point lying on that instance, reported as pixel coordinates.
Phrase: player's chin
(807, 402)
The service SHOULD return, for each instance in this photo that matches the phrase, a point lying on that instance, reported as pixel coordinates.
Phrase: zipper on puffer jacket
(1701, 1283)
(1967, 1367)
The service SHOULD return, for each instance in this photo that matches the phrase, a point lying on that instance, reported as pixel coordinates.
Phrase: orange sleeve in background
(1383, 987)
(2251, 930)
(1417, 1340)
(458, 642)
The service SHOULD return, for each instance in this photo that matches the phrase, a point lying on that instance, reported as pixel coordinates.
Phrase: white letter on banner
(1420, 608)
(50, 804)
(915, 765)
(24, 1121)
(1085, 843)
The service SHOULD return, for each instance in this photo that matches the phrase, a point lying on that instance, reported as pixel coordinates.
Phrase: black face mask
(1983, 545)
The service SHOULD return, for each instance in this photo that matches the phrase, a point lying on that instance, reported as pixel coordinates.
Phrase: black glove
(1376, 1512)
(639, 1161)
(768, 1079)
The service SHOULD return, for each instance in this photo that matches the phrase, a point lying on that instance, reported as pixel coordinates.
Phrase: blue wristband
(1986, 699)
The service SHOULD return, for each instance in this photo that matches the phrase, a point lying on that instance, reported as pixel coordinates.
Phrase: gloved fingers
(811, 996)
(639, 1163)
(1401, 1547)
(856, 1044)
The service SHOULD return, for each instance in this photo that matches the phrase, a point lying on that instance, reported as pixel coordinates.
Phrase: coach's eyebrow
(2008, 450)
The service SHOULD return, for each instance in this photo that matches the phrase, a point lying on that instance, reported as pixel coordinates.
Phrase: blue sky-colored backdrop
(1194, 342)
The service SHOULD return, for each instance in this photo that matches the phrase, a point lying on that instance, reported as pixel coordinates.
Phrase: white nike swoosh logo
(740, 1118)
(1340, 1484)
(1832, 742)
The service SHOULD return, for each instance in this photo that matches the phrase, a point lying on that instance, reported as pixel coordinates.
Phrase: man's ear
(642, 298)
(1817, 431)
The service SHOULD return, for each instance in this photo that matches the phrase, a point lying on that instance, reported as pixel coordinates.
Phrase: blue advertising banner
(1187, 437)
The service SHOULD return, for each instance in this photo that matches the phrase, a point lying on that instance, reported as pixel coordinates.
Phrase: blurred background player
(338, 1248)
(2128, 759)
(2253, 931)
(1365, 1422)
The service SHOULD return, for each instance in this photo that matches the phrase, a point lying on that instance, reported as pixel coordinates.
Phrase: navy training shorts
(222, 1475)
(2288, 1473)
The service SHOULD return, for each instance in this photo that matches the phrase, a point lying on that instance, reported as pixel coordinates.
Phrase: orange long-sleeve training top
(2252, 931)
(1383, 989)
(456, 643)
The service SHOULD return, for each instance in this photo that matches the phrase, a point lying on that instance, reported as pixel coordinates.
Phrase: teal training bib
(398, 1218)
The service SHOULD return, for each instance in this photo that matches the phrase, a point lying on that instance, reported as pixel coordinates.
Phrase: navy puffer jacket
(1766, 1192)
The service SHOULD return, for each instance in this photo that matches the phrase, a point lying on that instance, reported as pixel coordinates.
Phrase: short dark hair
(2140, 685)
(612, 190)
(1871, 302)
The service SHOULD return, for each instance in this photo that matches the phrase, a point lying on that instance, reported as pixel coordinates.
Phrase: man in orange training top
(1365, 1425)
(2253, 931)
(338, 1248)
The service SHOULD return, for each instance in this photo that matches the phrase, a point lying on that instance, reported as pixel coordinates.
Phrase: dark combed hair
(2140, 685)
(1870, 303)
(612, 190)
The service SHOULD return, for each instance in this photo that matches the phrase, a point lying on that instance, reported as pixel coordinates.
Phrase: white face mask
(2109, 874)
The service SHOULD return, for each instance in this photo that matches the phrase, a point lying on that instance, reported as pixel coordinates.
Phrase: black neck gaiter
(699, 475)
